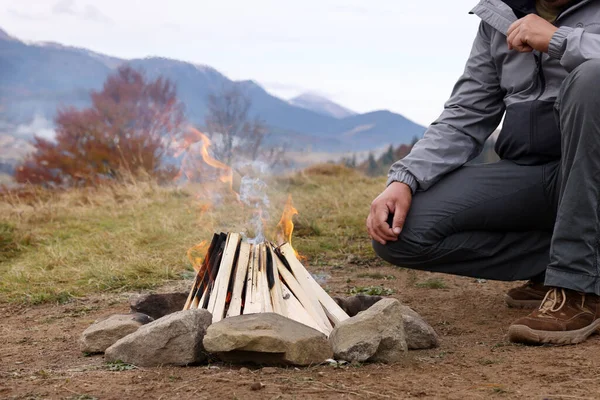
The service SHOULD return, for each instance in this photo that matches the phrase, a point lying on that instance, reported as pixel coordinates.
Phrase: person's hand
(396, 199)
(530, 33)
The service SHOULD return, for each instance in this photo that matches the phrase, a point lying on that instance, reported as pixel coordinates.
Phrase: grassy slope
(54, 246)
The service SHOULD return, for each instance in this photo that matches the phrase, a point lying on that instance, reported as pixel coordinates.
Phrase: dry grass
(59, 245)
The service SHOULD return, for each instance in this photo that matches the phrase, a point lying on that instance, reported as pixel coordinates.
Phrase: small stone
(256, 386)
(267, 339)
(321, 374)
(376, 334)
(244, 370)
(105, 332)
(159, 304)
(269, 370)
(172, 340)
(355, 304)
(419, 334)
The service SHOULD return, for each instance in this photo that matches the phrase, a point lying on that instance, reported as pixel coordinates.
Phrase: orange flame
(191, 166)
(285, 226)
(197, 253)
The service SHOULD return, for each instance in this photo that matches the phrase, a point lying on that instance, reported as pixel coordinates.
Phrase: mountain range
(37, 78)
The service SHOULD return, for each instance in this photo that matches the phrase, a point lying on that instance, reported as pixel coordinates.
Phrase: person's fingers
(512, 36)
(369, 229)
(399, 218)
(525, 49)
(380, 224)
(514, 26)
(372, 227)
(516, 41)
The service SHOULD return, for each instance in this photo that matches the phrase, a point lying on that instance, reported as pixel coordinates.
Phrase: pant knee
(588, 71)
(583, 84)
(401, 253)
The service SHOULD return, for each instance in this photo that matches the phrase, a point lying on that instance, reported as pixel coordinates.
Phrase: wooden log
(241, 271)
(297, 312)
(266, 304)
(211, 273)
(251, 305)
(199, 303)
(216, 304)
(308, 300)
(275, 283)
(199, 275)
(210, 277)
(332, 309)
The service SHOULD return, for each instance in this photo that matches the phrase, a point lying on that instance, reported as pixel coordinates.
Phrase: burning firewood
(238, 278)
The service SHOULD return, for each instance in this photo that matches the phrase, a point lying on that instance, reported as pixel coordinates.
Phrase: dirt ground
(39, 355)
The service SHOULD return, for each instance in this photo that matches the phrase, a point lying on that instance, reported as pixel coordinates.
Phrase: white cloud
(91, 13)
(64, 7)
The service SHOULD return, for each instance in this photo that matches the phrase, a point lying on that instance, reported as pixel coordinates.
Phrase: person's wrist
(403, 176)
(403, 185)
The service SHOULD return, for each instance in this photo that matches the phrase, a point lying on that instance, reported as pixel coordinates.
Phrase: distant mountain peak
(6, 36)
(322, 105)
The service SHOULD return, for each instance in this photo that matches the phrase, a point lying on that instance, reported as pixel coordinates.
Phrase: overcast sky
(378, 54)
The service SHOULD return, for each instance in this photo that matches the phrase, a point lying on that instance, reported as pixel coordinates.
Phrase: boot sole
(524, 334)
(512, 303)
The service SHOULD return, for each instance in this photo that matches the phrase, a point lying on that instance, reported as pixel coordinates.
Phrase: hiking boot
(565, 317)
(529, 295)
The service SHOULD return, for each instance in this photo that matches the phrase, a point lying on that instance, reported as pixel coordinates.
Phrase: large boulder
(158, 305)
(376, 334)
(172, 340)
(266, 338)
(419, 334)
(105, 332)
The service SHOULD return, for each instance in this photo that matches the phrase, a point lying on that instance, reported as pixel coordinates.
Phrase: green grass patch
(119, 366)
(371, 290)
(376, 275)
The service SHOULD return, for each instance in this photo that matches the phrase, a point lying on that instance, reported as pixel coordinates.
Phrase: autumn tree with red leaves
(126, 129)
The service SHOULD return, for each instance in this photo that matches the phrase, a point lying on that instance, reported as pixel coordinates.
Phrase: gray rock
(376, 334)
(105, 332)
(159, 304)
(172, 340)
(266, 338)
(355, 304)
(419, 334)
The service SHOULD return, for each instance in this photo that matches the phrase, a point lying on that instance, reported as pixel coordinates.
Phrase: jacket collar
(523, 7)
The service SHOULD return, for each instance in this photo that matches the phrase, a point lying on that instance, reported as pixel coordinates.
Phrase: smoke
(253, 193)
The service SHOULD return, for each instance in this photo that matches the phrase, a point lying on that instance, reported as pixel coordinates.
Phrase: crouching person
(534, 215)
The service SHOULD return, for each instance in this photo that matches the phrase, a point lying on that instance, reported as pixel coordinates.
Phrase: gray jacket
(498, 81)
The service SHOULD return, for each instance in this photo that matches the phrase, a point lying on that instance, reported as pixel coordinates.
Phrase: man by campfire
(534, 215)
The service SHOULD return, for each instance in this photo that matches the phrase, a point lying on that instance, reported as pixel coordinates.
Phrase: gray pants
(506, 221)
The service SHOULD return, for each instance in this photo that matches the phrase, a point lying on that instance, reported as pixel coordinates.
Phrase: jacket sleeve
(473, 111)
(574, 46)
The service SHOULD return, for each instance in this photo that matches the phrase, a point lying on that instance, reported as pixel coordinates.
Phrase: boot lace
(553, 302)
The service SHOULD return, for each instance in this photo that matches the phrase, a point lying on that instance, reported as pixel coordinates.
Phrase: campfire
(237, 277)
(279, 312)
